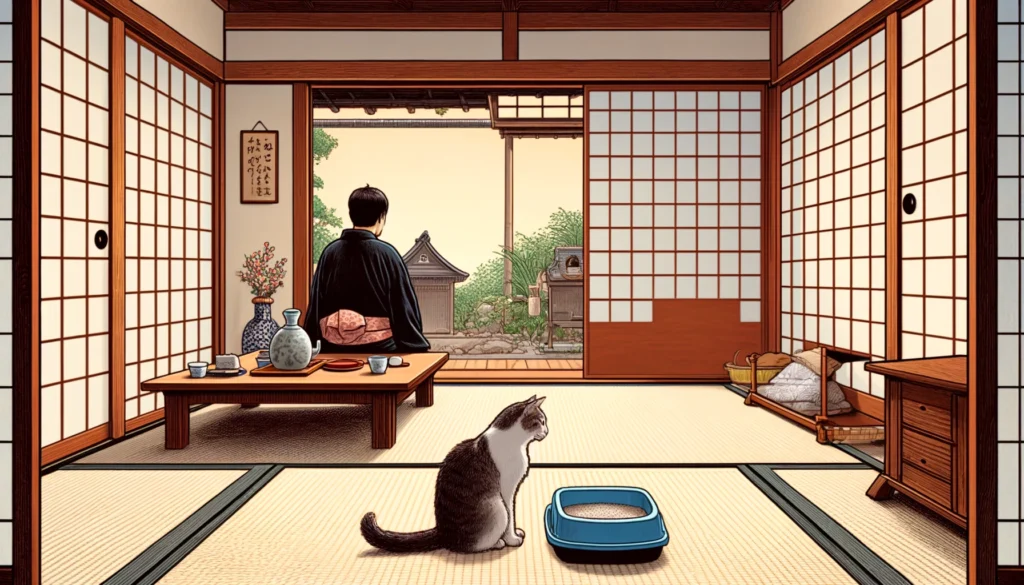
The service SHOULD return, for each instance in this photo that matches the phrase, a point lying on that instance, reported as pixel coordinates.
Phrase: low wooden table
(384, 392)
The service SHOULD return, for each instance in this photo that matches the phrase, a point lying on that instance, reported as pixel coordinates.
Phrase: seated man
(362, 299)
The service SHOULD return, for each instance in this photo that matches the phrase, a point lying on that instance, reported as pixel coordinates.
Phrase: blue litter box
(604, 541)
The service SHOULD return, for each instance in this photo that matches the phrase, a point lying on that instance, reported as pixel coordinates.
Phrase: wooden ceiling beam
(469, 6)
(497, 21)
(490, 72)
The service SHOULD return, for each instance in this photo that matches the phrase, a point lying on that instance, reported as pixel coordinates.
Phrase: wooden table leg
(177, 422)
(250, 405)
(425, 393)
(384, 424)
(881, 489)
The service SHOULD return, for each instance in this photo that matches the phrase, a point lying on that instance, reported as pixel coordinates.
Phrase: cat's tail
(397, 542)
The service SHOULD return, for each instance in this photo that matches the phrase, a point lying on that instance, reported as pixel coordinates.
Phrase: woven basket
(856, 435)
(741, 374)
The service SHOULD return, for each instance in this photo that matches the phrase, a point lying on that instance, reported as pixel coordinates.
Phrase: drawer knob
(923, 462)
(923, 408)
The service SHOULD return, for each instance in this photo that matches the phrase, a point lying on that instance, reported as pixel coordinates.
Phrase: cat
(475, 493)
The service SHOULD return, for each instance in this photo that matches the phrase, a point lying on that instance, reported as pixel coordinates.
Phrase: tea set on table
(291, 350)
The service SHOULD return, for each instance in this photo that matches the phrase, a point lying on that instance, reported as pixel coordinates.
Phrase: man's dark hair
(366, 205)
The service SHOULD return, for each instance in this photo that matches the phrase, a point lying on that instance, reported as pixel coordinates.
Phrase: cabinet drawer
(927, 453)
(928, 417)
(928, 485)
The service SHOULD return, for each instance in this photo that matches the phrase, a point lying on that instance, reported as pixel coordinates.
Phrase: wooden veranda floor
(480, 364)
(511, 371)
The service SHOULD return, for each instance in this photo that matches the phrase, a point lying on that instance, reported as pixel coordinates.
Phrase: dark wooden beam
(510, 36)
(302, 194)
(161, 35)
(827, 45)
(496, 72)
(644, 21)
(334, 108)
(24, 365)
(363, 21)
(982, 291)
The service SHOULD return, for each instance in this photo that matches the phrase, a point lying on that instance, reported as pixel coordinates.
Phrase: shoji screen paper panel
(1011, 288)
(74, 202)
(6, 252)
(933, 168)
(673, 231)
(833, 210)
(168, 222)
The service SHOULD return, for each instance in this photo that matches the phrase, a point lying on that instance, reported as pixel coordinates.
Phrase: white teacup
(378, 363)
(198, 369)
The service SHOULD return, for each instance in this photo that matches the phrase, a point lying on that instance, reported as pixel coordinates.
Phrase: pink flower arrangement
(262, 278)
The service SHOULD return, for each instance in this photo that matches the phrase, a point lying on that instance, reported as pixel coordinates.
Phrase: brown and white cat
(475, 495)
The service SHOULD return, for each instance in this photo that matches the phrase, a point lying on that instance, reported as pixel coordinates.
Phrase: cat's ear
(532, 399)
(537, 401)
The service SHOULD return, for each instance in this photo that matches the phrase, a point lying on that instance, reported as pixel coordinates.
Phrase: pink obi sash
(350, 328)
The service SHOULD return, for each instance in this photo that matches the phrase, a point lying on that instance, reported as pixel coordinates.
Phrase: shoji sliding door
(1011, 289)
(74, 201)
(933, 168)
(168, 222)
(833, 209)
(673, 230)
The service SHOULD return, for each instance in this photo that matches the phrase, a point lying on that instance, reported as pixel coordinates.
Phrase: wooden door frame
(25, 289)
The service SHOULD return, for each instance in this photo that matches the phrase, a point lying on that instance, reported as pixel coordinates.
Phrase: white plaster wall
(803, 21)
(248, 226)
(714, 45)
(200, 21)
(363, 45)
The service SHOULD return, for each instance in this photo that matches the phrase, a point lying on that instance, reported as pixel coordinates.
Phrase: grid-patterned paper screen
(833, 210)
(1011, 287)
(74, 200)
(168, 222)
(933, 126)
(6, 252)
(675, 201)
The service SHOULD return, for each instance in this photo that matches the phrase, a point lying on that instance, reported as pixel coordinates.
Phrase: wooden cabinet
(926, 434)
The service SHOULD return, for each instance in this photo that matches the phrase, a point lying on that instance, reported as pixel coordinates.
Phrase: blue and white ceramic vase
(261, 329)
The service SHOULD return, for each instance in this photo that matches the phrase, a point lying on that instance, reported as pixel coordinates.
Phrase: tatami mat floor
(303, 529)
(95, 522)
(924, 549)
(589, 424)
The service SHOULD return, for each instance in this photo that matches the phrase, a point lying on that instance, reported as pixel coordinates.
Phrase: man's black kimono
(360, 273)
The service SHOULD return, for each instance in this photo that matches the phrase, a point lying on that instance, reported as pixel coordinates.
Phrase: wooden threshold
(74, 444)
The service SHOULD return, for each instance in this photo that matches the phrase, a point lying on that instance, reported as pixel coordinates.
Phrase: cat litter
(605, 525)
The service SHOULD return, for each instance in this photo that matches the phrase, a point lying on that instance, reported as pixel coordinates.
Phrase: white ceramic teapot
(290, 349)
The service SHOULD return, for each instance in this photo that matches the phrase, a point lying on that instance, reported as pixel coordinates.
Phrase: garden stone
(484, 309)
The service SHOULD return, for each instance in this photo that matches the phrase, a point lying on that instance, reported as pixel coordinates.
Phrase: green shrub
(530, 255)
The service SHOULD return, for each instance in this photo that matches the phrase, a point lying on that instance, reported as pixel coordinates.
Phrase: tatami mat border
(157, 560)
(866, 567)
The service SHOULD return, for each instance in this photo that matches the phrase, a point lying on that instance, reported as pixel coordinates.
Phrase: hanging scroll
(259, 165)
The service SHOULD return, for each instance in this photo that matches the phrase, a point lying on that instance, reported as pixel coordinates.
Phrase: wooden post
(752, 360)
(508, 215)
